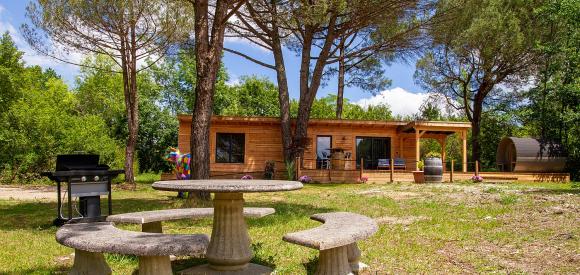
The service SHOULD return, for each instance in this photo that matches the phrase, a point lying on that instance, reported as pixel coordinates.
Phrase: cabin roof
(433, 127)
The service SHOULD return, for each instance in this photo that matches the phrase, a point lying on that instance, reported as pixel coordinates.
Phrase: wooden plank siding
(263, 141)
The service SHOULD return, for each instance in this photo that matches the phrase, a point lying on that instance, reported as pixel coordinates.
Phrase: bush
(363, 179)
(477, 178)
(420, 164)
(290, 170)
(269, 170)
(305, 179)
(433, 155)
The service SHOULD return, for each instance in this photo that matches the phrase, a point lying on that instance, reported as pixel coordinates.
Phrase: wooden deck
(382, 176)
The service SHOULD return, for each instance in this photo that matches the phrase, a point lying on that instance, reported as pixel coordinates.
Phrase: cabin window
(323, 146)
(230, 148)
(372, 149)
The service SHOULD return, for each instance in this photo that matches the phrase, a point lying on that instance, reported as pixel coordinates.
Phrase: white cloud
(405, 103)
(401, 101)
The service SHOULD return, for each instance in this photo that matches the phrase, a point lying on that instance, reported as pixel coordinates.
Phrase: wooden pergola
(438, 130)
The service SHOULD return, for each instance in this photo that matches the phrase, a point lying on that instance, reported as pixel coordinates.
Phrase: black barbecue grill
(86, 180)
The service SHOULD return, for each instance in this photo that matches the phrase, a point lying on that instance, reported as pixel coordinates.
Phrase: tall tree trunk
(131, 100)
(309, 84)
(208, 51)
(476, 128)
(304, 103)
(283, 97)
(200, 125)
(341, 72)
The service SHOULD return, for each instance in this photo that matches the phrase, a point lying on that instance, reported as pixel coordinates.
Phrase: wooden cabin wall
(264, 142)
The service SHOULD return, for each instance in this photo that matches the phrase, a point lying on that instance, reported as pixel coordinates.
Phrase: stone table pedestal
(229, 248)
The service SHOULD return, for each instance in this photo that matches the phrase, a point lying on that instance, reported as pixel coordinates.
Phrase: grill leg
(155, 265)
(86, 263)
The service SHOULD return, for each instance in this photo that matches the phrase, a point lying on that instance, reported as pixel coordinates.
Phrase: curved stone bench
(336, 239)
(90, 240)
(150, 221)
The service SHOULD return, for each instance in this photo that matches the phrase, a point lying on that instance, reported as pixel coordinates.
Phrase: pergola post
(417, 149)
(443, 144)
(464, 150)
(418, 134)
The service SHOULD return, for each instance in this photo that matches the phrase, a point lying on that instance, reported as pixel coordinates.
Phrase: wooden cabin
(338, 150)
(244, 144)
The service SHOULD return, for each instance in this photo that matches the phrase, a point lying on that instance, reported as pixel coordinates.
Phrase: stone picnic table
(229, 247)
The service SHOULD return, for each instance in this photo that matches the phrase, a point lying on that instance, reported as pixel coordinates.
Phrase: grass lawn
(443, 228)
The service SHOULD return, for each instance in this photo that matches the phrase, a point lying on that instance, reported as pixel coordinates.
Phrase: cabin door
(371, 149)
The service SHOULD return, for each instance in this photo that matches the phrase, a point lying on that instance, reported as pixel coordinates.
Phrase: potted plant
(433, 170)
(418, 175)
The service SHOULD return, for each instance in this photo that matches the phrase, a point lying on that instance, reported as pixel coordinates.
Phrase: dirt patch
(453, 255)
(531, 257)
(395, 194)
(18, 193)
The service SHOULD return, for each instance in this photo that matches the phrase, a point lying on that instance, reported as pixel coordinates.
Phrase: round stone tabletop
(227, 186)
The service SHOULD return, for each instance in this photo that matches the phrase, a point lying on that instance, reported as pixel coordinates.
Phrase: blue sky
(404, 96)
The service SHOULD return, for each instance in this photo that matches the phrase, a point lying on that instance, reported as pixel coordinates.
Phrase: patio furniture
(398, 163)
(229, 247)
(325, 161)
(383, 163)
(90, 240)
(336, 239)
(150, 221)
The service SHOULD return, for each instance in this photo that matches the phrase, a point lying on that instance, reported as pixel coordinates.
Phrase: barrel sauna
(433, 170)
(529, 155)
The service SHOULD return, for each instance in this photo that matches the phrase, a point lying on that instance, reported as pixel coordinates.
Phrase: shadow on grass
(40, 214)
(42, 270)
(310, 266)
(183, 264)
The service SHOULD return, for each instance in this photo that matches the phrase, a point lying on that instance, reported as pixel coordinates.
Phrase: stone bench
(90, 240)
(336, 239)
(150, 221)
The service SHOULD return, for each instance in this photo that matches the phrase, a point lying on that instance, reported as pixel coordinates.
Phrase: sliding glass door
(371, 149)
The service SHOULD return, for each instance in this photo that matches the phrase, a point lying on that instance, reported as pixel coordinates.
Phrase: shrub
(363, 179)
(269, 170)
(305, 179)
(433, 155)
(421, 164)
(247, 177)
(290, 170)
(477, 178)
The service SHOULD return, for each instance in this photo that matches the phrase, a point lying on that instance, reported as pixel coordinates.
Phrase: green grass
(451, 228)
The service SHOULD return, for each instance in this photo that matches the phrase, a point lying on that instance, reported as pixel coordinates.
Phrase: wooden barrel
(433, 170)
(530, 155)
(337, 160)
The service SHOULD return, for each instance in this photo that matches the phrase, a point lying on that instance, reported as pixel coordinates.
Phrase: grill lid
(79, 162)
(79, 165)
